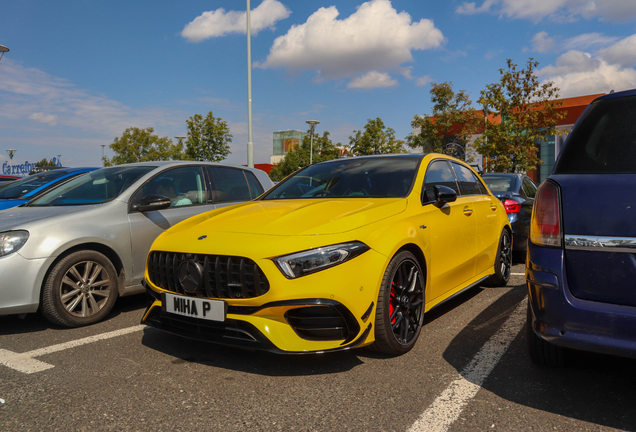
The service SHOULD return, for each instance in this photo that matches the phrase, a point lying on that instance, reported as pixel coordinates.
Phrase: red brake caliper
(392, 301)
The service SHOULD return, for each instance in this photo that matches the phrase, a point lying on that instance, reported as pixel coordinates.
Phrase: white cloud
(374, 38)
(220, 23)
(558, 10)
(422, 81)
(44, 118)
(31, 94)
(542, 43)
(587, 41)
(577, 73)
(373, 79)
(622, 52)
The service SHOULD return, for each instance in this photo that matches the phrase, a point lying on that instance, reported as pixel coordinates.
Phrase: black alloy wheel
(503, 262)
(400, 311)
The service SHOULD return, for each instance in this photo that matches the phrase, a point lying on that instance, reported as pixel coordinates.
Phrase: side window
(438, 173)
(469, 184)
(529, 188)
(184, 186)
(255, 186)
(229, 184)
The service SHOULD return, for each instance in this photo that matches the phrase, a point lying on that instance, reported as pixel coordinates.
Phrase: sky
(79, 73)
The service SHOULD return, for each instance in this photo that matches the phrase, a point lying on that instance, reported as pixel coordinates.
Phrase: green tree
(376, 139)
(208, 138)
(449, 127)
(324, 149)
(529, 113)
(141, 145)
(44, 162)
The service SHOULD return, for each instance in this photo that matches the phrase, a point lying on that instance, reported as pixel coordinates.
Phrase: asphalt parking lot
(468, 372)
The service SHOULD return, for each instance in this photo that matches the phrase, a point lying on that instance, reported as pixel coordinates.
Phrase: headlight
(314, 260)
(12, 241)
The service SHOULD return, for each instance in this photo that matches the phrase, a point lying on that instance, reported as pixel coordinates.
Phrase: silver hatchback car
(71, 252)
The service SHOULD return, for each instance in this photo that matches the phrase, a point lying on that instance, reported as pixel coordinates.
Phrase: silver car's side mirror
(153, 202)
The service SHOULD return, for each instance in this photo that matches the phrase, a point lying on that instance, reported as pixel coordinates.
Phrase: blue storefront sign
(24, 168)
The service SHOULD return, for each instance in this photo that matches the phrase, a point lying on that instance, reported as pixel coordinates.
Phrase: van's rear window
(603, 141)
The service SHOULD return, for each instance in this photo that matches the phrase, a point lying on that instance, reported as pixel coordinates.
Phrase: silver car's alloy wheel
(85, 288)
(80, 289)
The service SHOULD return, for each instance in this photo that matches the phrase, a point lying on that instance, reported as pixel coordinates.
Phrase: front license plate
(212, 310)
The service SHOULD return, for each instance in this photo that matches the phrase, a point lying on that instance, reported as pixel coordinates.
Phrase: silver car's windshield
(96, 187)
(373, 177)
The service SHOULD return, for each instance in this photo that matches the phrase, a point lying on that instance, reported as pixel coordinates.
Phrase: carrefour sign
(24, 168)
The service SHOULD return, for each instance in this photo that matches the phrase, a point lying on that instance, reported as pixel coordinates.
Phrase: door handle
(468, 211)
(493, 207)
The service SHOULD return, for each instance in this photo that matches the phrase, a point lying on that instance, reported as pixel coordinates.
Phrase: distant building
(284, 142)
(549, 149)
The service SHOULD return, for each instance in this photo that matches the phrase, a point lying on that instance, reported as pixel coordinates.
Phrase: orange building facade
(549, 149)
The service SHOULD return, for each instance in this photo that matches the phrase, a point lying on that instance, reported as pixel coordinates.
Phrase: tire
(400, 311)
(542, 352)
(503, 262)
(80, 290)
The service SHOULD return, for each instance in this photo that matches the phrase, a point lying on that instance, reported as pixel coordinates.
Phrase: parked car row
(72, 251)
(341, 254)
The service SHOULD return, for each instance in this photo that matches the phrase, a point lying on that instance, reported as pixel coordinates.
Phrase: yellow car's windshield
(374, 177)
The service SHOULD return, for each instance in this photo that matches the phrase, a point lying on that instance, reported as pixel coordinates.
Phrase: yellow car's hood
(297, 217)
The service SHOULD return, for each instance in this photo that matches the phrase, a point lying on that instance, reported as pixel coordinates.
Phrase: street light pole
(11, 153)
(3, 49)
(250, 145)
(312, 126)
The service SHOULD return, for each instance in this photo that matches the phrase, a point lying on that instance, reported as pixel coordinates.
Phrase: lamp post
(11, 153)
(3, 49)
(250, 145)
(312, 126)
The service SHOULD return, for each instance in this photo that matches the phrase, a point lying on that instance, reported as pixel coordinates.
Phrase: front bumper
(565, 320)
(331, 310)
(20, 283)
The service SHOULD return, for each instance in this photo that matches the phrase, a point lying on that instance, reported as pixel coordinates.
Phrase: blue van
(581, 261)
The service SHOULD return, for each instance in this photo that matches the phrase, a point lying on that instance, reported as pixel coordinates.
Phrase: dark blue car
(21, 191)
(581, 263)
(516, 192)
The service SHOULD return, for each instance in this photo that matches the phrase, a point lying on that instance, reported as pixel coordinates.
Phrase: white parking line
(443, 412)
(517, 274)
(26, 363)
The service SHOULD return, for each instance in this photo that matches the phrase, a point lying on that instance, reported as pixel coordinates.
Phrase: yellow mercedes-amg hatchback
(342, 254)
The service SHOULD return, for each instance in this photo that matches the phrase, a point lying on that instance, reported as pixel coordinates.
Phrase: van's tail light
(545, 227)
(511, 206)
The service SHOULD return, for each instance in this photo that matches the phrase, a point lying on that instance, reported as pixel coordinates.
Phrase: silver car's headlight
(310, 261)
(12, 241)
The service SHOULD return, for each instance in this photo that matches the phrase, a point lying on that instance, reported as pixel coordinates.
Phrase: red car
(7, 178)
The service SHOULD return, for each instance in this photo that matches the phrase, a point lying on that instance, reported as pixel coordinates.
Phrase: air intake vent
(214, 276)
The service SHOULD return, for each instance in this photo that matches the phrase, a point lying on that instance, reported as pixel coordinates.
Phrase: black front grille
(223, 277)
(317, 323)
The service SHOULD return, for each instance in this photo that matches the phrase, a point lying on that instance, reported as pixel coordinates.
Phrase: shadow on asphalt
(35, 322)
(256, 362)
(593, 388)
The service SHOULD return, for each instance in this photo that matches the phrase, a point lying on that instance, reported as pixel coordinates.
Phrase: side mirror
(444, 195)
(153, 202)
